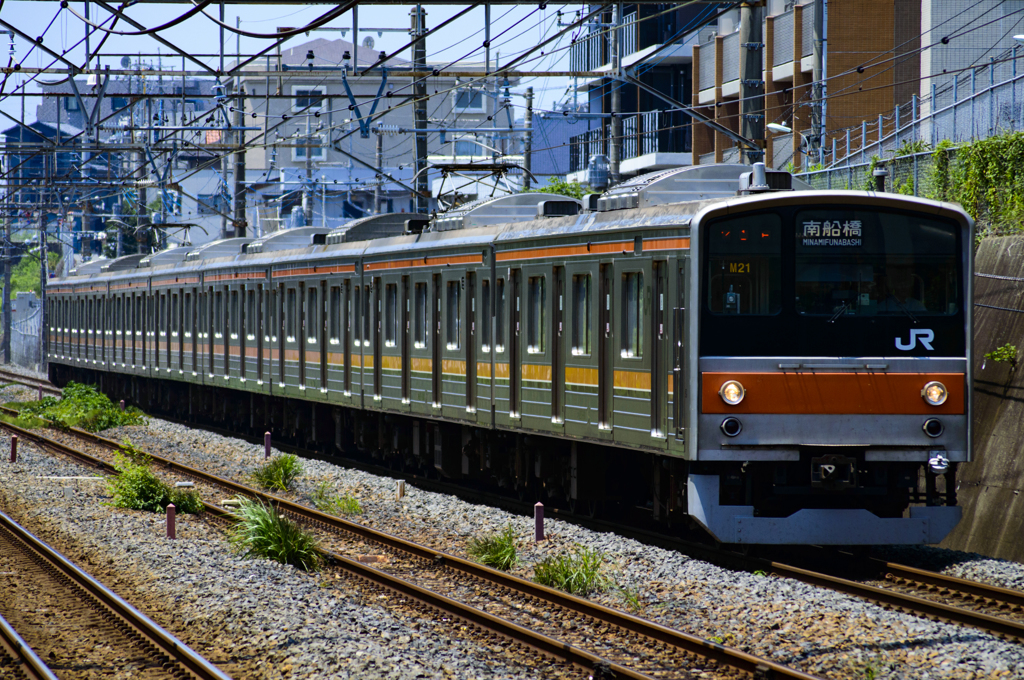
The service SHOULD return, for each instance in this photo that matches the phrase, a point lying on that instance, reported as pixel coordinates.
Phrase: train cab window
(334, 316)
(420, 316)
(536, 304)
(453, 337)
(633, 314)
(291, 314)
(391, 315)
(745, 265)
(870, 263)
(499, 316)
(581, 314)
(357, 327)
(485, 319)
(312, 323)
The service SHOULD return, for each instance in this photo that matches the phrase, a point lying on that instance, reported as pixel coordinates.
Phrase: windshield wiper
(842, 308)
(905, 310)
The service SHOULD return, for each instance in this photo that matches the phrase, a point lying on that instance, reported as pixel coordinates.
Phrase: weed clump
(80, 406)
(327, 501)
(278, 473)
(497, 550)
(577, 572)
(262, 532)
(136, 487)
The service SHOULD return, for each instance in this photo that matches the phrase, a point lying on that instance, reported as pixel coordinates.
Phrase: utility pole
(7, 283)
(817, 91)
(615, 142)
(528, 145)
(240, 221)
(307, 199)
(380, 169)
(751, 78)
(42, 277)
(419, 59)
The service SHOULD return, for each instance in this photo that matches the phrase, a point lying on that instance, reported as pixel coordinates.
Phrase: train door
(378, 334)
(658, 370)
(470, 342)
(604, 340)
(515, 372)
(632, 351)
(679, 348)
(179, 327)
(405, 331)
(558, 348)
(228, 320)
(435, 361)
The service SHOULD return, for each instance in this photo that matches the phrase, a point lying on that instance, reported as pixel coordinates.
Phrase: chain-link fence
(25, 339)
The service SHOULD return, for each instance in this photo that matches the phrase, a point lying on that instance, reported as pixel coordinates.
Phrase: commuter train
(711, 345)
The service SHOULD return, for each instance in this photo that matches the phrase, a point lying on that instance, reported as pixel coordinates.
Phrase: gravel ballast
(274, 621)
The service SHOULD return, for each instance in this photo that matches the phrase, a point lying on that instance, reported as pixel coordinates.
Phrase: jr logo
(922, 335)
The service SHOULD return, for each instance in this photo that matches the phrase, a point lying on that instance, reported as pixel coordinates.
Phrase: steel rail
(152, 632)
(727, 656)
(28, 662)
(962, 586)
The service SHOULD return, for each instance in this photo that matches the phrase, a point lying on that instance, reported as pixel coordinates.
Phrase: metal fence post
(933, 108)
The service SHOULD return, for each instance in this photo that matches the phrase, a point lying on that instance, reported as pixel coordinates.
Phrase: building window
(468, 101)
(535, 310)
(390, 315)
(334, 320)
(70, 104)
(632, 314)
(454, 315)
(581, 314)
(420, 320)
(485, 320)
(308, 99)
(499, 317)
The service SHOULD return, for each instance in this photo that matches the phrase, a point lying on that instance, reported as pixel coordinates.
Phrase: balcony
(650, 141)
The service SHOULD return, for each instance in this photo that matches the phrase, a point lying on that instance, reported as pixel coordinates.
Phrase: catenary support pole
(380, 177)
(615, 138)
(419, 58)
(751, 79)
(528, 142)
(239, 197)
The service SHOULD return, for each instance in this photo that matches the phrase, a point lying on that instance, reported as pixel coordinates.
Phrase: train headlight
(935, 393)
(732, 392)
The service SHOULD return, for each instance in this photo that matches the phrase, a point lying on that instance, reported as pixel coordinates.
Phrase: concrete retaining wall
(992, 486)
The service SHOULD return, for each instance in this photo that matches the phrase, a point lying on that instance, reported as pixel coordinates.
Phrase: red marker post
(266, 446)
(538, 522)
(14, 448)
(170, 520)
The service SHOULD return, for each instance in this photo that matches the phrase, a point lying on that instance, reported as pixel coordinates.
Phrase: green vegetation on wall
(557, 185)
(25, 275)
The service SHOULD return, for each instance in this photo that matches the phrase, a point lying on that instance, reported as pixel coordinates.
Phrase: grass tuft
(278, 473)
(327, 501)
(80, 406)
(136, 487)
(497, 550)
(262, 532)
(577, 572)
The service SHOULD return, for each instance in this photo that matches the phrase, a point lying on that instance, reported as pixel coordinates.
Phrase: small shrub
(577, 572)
(497, 550)
(326, 501)
(278, 473)
(136, 487)
(262, 532)
(84, 407)
(1006, 353)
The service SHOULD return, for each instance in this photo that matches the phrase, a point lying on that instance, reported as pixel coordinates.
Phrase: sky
(514, 29)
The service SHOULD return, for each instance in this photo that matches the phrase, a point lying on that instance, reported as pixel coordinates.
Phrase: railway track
(543, 619)
(77, 623)
(924, 593)
(18, 659)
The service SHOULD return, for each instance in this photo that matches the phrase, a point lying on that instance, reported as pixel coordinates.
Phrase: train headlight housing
(732, 392)
(935, 393)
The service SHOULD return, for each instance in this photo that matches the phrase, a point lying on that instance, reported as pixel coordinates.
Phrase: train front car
(833, 377)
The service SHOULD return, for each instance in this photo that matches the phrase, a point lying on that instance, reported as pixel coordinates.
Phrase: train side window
(162, 325)
(334, 320)
(250, 316)
(235, 313)
(391, 315)
(454, 315)
(291, 314)
(632, 314)
(420, 320)
(357, 327)
(188, 315)
(218, 313)
(312, 323)
(581, 314)
(499, 314)
(368, 315)
(535, 326)
(174, 315)
(485, 318)
(272, 327)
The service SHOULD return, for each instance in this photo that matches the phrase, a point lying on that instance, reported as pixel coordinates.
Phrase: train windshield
(869, 263)
(745, 266)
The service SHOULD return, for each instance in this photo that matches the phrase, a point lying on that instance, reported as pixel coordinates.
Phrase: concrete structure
(992, 487)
